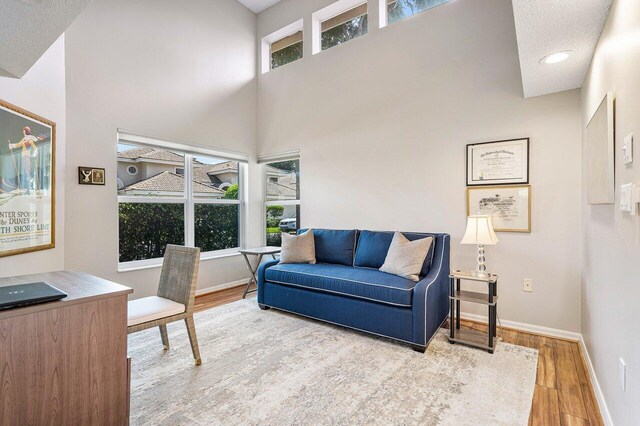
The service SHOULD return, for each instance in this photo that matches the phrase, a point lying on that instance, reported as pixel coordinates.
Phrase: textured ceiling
(258, 5)
(29, 27)
(549, 26)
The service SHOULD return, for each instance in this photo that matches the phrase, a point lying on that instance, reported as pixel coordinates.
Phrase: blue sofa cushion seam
(350, 280)
(337, 292)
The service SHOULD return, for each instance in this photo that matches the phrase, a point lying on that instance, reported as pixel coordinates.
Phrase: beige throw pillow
(405, 258)
(298, 248)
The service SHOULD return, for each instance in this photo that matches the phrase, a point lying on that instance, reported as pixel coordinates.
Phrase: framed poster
(27, 181)
(601, 187)
(508, 206)
(498, 163)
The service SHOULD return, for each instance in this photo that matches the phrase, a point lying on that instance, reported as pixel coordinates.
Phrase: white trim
(595, 385)
(531, 328)
(125, 136)
(132, 167)
(281, 156)
(139, 265)
(224, 286)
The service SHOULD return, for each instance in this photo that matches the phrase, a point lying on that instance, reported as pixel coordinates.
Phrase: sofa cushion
(373, 247)
(151, 308)
(369, 284)
(298, 248)
(405, 258)
(334, 246)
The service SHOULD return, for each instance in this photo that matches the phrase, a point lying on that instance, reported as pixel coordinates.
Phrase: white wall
(175, 70)
(611, 242)
(382, 123)
(42, 91)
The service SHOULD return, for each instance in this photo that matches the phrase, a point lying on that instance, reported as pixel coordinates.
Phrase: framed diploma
(508, 206)
(498, 163)
(27, 181)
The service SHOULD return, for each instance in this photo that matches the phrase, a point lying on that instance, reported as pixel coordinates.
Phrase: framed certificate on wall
(498, 163)
(508, 206)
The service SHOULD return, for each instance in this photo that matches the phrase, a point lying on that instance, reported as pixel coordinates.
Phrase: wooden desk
(65, 362)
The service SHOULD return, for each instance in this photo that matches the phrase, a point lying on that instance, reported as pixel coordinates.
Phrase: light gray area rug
(273, 368)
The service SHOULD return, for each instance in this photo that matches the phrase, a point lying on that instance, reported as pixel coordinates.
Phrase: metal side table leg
(254, 278)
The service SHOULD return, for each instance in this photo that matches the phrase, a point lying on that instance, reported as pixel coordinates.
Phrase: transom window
(199, 207)
(344, 27)
(286, 50)
(338, 23)
(399, 10)
(283, 46)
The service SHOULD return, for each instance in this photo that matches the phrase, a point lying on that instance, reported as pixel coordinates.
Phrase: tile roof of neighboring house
(150, 154)
(279, 190)
(170, 182)
(204, 173)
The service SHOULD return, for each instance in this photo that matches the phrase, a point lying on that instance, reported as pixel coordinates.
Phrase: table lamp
(480, 232)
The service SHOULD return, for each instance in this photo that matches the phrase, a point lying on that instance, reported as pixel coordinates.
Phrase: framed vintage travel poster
(27, 181)
(498, 163)
(508, 206)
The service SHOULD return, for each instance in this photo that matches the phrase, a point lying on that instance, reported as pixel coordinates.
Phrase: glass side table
(474, 338)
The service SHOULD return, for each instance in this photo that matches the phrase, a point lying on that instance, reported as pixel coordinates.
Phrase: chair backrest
(180, 274)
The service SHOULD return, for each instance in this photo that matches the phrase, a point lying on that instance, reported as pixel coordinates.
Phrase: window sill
(139, 265)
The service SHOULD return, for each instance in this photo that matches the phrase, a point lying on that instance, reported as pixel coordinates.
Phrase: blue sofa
(346, 288)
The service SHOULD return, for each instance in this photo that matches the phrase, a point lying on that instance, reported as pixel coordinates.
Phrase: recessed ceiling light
(554, 58)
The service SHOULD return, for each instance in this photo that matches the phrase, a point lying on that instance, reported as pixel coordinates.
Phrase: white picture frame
(600, 149)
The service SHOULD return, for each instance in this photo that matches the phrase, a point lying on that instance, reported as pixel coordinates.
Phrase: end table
(259, 252)
(456, 295)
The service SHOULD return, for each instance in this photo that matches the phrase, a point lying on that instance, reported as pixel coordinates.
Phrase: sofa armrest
(431, 294)
(261, 271)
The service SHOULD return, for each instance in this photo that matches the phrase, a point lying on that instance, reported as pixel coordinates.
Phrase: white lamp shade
(480, 231)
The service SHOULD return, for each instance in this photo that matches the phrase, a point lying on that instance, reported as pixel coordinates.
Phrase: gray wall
(382, 122)
(611, 239)
(164, 68)
(42, 91)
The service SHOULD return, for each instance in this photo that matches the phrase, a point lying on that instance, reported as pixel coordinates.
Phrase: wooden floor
(563, 394)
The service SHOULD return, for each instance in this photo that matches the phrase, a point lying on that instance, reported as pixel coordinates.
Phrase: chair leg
(164, 336)
(193, 339)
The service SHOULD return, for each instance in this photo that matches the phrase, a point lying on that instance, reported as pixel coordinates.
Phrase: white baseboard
(531, 328)
(201, 291)
(602, 403)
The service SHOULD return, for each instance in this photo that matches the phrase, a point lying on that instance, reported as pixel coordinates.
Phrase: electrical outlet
(622, 368)
(527, 285)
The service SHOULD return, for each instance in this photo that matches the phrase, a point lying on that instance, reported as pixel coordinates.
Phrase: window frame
(274, 37)
(188, 200)
(264, 161)
(328, 12)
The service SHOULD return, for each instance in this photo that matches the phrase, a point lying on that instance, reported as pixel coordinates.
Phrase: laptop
(14, 296)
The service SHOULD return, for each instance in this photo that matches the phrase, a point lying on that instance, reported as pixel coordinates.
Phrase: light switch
(629, 198)
(627, 147)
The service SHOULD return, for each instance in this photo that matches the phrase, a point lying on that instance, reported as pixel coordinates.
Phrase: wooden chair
(175, 299)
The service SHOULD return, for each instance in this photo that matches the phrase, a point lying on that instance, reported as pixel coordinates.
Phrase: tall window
(176, 197)
(398, 10)
(282, 205)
